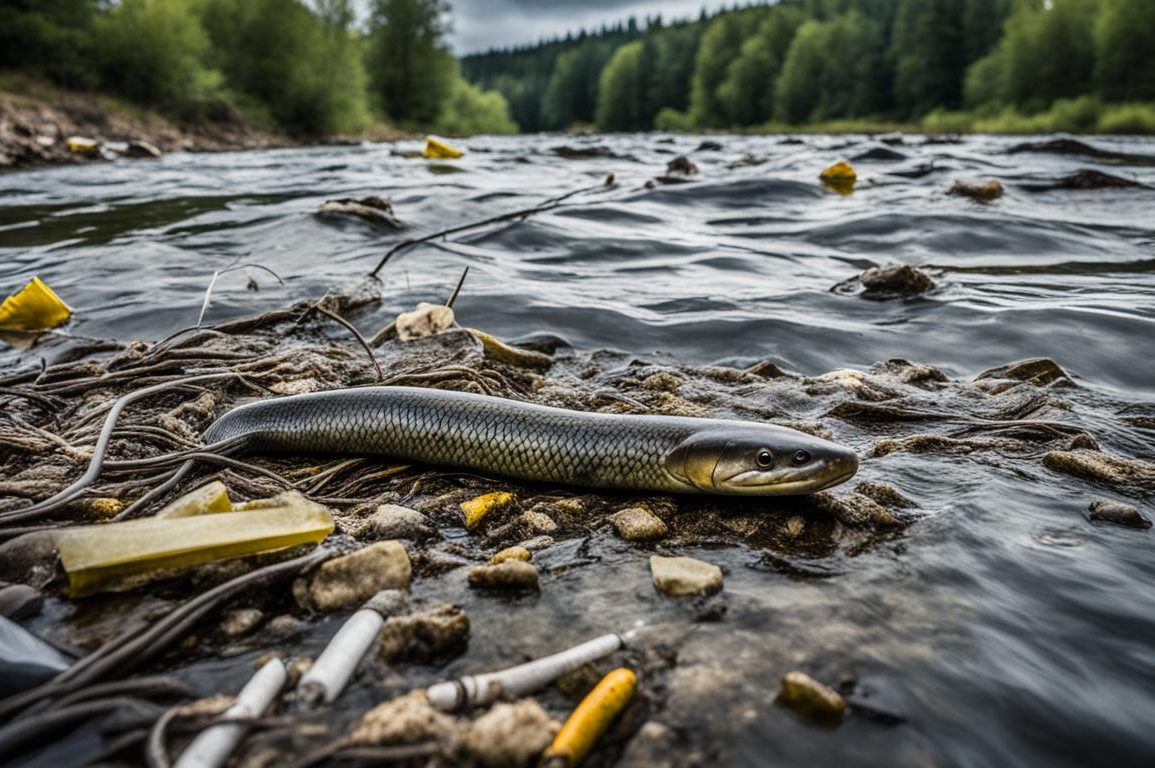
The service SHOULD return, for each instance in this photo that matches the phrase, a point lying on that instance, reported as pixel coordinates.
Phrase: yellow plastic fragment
(476, 510)
(592, 717)
(35, 307)
(839, 177)
(498, 350)
(206, 500)
(78, 145)
(97, 557)
(437, 147)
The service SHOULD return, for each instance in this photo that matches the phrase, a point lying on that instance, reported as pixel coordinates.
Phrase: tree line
(306, 68)
(1017, 65)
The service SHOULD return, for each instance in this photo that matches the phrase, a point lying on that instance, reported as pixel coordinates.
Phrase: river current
(1002, 628)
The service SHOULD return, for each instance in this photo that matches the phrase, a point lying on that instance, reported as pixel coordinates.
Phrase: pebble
(20, 601)
(409, 719)
(894, 282)
(392, 521)
(510, 735)
(855, 509)
(511, 553)
(438, 632)
(1096, 465)
(1039, 371)
(511, 575)
(681, 576)
(241, 622)
(810, 698)
(537, 543)
(1118, 513)
(348, 581)
(539, 522)
(638, 524)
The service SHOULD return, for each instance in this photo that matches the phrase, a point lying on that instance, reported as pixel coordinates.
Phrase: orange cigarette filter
(592, 717)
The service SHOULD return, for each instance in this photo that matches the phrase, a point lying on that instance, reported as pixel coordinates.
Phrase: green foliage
(572, 93)
(410, 68)
(51, 37)
(470, 110)
(721, 44)
(833, 69)
(670, 119)
(1125, 49)
(620, 91)
(746, 96)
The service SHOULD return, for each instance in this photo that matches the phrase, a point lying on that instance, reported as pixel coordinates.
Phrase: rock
(582, 153)
(894, 282)
(143, 149)
(681, 165)
(348, 581)
(241, 622)
(539, 522)
(409, 719)
(1075, 147)
(438, 633)
(510, 735)
(537, 543)
(510, 575)
(882, 154)
(1039, 371)
(1086, 179)
(427, 320)
(709, 146)
(638, 524)
(477, 509)
(374, 209)
(682, 576)
(655, 745)
(810, 698)
(20, 601)
(511, 553)
(30, 559)
(391, 521)
(982, 191)
(1103, 467)
(855, 510)
(1118, 513)
(886, 495)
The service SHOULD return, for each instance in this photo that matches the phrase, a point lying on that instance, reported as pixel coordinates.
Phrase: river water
(1002, 627)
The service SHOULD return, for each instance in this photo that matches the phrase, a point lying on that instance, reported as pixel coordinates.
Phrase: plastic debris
(426, 320)
(497, 349)
(209, 499)
(592, 717)
(982, 191)
(810, 698)
(100, 557)
(522, 679)
(26, 661)
(79, 145)
(437, 147)
(213, 746)
(840, 177)
(330, 673)
(35, 307)
(476, 510)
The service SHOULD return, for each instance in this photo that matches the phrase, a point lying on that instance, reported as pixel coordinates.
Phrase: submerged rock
(1039, 371)
(510, 735)
(1103, 467)
(882, 154)
(1086, 179)
(709, 146)
(855, 510)
(1074, 147)
(374, 209)
(981, 191)
(681, 165)
(638, 524)
(685, 576)
(894, 282)
(1118, 513)
(810, 698)
(508, 575)
(348, 581)
(438, 633)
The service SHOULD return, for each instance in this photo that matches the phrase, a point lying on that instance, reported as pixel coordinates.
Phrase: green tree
(721, 44)
(572, 93)
(470, 110)
(410, 68)
(1125, 49)
(746, 96)
(833, 70)
(620, 91)
(53, 38)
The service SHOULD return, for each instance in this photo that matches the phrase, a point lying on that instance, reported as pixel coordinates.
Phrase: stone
(681, 165)
(894, 282)
(427, 320)
(410, 719)
(1103, 467)
(437, 633)
(392, 521)
(539, 522)
(511, 575)
(510, 735)
(855, 510)
(810, 698)
(20, 601)
(638, 524)
(30, 559)
(980, 191)
(374, 209)
(348, 581)
(511, 553)
(241, 622)
(685, 576)
(1118, 513)
(1039, 371)
(142, 149)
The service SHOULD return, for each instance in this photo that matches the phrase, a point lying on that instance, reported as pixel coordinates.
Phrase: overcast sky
(482, 24)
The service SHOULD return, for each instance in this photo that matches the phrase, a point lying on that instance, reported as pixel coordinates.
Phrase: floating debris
(981, 191)
(1096, 465)
(35, 307)
(810, 698)
(840, 177)
(80, 145)
(410, 719)
(684, 576)
(425, 321)
(1118, 513)
(374, 209)
(439, 148)
(117, 556)
(592, 717)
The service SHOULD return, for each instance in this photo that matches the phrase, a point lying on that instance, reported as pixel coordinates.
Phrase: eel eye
(801, 457)
(764, 458)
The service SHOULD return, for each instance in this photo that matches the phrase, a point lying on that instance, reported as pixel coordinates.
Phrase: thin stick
(457, 290)
(216, 276)
(357, 334)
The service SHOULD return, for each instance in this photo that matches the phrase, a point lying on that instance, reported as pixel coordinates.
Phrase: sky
(482, 24)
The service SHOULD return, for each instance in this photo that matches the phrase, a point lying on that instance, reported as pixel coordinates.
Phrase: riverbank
(37, 120)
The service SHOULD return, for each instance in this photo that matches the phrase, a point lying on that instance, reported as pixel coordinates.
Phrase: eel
(538, 443)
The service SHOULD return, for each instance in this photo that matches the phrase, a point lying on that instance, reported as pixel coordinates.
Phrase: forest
(942, 65)
(326, 67)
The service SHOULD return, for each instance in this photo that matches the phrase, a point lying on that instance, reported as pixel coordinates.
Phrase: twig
(457, 290)
(357, 334)
(216, 276)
